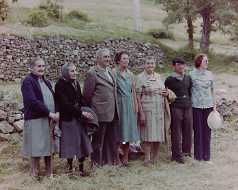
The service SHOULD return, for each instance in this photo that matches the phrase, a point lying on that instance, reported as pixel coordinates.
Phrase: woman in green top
(127, 130)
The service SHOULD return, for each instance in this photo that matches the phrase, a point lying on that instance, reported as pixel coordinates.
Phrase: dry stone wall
(15, 53)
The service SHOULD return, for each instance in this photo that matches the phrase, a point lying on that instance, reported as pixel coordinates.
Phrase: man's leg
(176, 125)
(187, 132)
(97, 143)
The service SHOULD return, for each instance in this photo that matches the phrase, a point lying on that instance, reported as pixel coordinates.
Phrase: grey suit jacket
(100, 93)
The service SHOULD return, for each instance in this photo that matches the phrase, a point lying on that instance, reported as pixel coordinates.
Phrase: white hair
(100, 52)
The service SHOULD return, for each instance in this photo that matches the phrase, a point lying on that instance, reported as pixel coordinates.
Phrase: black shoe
(187, 154)
(178, 160)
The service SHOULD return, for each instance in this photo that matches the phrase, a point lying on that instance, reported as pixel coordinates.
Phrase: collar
(202, 72)
(177, 76)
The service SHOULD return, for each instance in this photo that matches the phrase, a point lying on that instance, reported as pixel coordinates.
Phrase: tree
(137, 16)
(180, 11)
(3, 10)
(215, 14)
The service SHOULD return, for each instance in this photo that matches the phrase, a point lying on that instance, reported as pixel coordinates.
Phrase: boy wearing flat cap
(181, 111)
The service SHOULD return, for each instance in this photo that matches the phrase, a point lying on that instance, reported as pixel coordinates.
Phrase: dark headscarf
(65, 74)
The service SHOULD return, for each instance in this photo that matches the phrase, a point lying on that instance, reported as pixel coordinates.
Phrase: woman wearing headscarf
(154, 113)
(127, 130)
(39, 112)
(74, 140)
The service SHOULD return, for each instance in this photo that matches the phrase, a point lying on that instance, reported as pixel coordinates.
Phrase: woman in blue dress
(127, 129)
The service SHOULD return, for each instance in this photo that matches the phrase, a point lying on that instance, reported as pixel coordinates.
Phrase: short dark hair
(118, 56)
(178, 60)
(198, 59)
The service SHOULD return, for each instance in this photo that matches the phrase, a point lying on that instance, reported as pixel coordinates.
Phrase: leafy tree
(215, 15)
(180, 11)
(3, 10)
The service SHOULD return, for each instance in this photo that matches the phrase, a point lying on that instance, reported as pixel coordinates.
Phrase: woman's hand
(54, 116)
(142, 119)
(165, 92)
(87, 115)
(215, 107)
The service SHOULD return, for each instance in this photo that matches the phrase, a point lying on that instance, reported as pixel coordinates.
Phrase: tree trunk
(206, 29)
(137, 16)
(190, 31)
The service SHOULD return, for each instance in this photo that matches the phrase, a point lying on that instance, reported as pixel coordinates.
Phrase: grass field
(111, 18)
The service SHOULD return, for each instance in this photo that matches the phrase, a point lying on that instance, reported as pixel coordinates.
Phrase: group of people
(118, 108)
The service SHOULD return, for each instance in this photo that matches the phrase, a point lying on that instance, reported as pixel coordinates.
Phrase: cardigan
(33, 102)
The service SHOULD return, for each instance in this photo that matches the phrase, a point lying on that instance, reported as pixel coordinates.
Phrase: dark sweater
(34, 106)
(182, 89)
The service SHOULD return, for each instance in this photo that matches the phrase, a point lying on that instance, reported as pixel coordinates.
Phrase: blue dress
(128, 131)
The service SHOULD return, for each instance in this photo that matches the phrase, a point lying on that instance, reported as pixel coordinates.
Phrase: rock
(18, 125)
(4, 137)
(235, 110)
(3, 115)
(67, 50)
(15, 117)
(6, 128)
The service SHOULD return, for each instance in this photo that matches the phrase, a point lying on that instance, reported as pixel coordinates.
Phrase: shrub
(37, 18)
(74, 14)
(52, 8)
(187, 54)
(4, 8)
(160, 34)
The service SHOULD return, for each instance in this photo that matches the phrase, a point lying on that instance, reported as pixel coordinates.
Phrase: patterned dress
(148, 87)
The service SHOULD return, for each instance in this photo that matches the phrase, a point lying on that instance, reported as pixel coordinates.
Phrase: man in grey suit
(100, 93)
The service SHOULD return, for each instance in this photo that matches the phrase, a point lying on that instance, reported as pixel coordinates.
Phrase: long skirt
(74, 140)
(37, 138)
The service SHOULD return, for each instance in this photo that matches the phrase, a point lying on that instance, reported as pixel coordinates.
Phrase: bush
(160, 34)
(74, 14)
(37, 18)
(187, 54)
(52, 8)
(4, 8)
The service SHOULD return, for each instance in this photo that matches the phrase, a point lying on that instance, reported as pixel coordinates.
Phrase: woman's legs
(155, 151)
(198, 133)
(70, 164)
(125, 148)
(48, 165)
(146, 146)
(35, 166)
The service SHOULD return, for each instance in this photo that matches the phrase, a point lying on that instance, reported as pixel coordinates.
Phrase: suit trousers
(104, 143)
(181, 131)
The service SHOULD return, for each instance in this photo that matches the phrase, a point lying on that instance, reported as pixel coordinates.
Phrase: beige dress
(148, 87)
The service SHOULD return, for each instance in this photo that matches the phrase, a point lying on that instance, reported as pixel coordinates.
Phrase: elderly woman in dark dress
(39, 112)
(74, 139)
